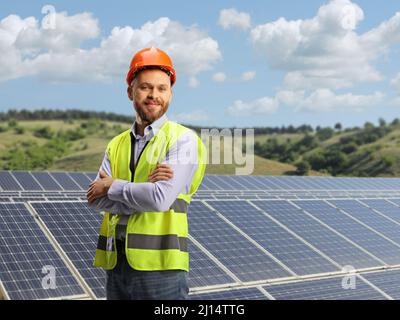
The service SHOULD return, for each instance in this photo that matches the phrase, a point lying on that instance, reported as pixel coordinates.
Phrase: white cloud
(191, 117)
(325, 100)
(249, 75)
(193, 82)
(219, 77)
(231, 18)
(325, 51)
(57, 54)
(262, 106)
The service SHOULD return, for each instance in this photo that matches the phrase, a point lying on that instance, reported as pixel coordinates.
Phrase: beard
(151, 117)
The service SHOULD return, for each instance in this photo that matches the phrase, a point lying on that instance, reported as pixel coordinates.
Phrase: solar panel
(81, 179)
(371, 241)
(91, 175)
(237, 253)
(204, 271)
(46, 181)
(75, 227)
(387, 280)
(291, 251)
(26, 199)
(26, 180)
(389, 208)
(325, 289)
(370, 218)
(325, 240)
(234, 294)
(65, 181)
(7, 181)
(24, 253)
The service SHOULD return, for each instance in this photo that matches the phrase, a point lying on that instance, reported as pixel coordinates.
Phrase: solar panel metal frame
(68, 265)
(59, 247)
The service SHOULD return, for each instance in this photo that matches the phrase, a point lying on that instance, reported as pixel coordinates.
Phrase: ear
(130, 93)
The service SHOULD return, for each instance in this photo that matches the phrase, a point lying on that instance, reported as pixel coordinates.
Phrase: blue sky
(239, 63)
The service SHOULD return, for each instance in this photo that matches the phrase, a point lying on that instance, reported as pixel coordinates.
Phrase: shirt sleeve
(159, 196)
(104, 203)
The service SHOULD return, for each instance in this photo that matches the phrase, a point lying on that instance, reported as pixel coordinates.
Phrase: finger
(162, 170)
(102, 174)
(162, 177)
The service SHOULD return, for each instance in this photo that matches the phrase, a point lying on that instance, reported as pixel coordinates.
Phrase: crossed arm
(171, 177)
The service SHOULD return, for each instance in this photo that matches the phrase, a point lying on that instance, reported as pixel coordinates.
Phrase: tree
(325, 133)
(302, 168)
(338, 126)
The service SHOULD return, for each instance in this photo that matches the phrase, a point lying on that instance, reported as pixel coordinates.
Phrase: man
(147, 178)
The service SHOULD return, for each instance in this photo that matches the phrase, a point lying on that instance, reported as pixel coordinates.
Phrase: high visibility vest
(154, 240)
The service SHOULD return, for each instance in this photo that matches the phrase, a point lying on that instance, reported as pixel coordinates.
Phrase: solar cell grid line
(387, 280)
(5, 199)
(238, 254)
(81, 179)
(387, 208)
(282, 185)
(24, 251)
(209, 184)
(220, 182)
(324, 289)
(295, 183)
(46, 181)
(234, 183)
(26, 199)
(266, 197)
(370, 218)
(366, 238)
(204, 272)
(52, 199)
(8, 182)
(383, 184)
(247, 196)
(394, 200)
(247, 183)
(294, 253)
(91, 175)
(223, 196)
(318, 235)
(301, 183)
(65, 181)
(26, 180)
(256, 181)
(266, 182)
(233, 294)
(75, 227)
(10, 193)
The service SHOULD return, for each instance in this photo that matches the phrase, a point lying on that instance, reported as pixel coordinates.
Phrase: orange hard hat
(150, 57)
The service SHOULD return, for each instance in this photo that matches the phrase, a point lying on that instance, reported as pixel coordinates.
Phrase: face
(151, 94)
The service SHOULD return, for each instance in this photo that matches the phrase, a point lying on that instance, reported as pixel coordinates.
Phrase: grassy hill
(79, 145)
(86, 153)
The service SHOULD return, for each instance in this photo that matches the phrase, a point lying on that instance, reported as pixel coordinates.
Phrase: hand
(162, 172)
(99, 188)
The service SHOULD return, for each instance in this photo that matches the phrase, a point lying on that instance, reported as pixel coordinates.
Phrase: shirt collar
(152, 129)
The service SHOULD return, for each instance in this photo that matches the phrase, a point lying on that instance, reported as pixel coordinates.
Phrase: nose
(152, 94)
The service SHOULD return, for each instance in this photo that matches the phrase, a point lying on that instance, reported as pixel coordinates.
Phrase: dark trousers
(125, 283)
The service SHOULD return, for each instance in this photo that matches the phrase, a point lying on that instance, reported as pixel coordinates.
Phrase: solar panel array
(251, 237)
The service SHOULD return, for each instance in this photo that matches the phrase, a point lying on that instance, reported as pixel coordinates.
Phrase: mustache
(157, 101)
